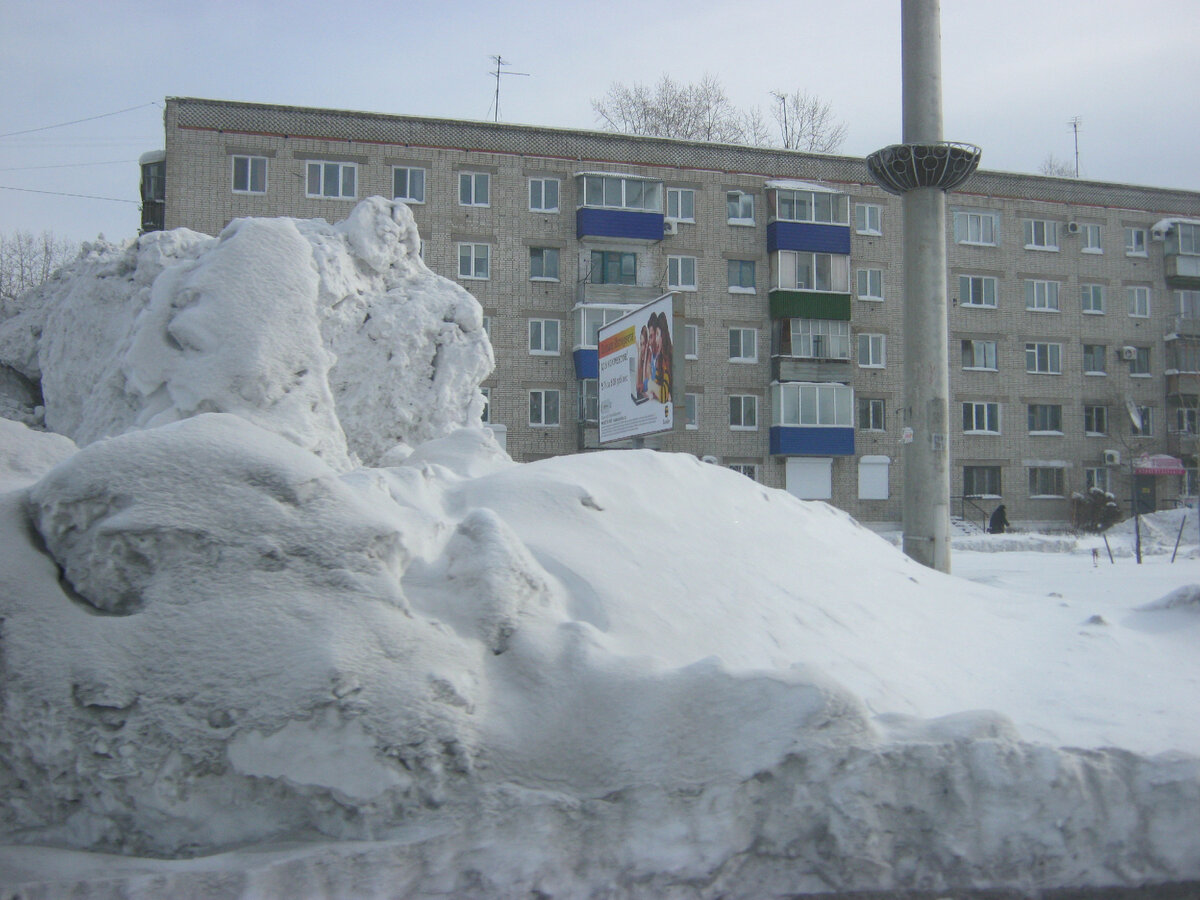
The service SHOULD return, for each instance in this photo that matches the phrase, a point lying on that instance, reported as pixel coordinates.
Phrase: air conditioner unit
(1158, 234)
(1112, 457)
(1128, 353)
(1072, 228)
(670, 226)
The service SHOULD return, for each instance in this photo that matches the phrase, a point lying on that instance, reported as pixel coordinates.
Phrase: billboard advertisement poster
(635, 372)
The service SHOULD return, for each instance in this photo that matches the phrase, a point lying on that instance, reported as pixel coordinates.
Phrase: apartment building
(1074, 311)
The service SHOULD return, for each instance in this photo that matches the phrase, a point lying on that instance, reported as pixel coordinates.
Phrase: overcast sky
(1015, 73)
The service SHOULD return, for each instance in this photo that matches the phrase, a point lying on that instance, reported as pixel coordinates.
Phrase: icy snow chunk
(25, 454)
(1183, 598)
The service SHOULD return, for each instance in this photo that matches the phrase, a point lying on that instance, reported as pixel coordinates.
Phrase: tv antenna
(500, 61)
(1074, 123)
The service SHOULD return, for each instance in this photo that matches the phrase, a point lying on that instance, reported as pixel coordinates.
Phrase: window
(473, 188)
(590, 317)
(1041, 234)
(1183, 355)
(1041, 295)
(870, 284)
(249, 174)
(543, 337)
(1095, 420)
(1045, 481)
(743, 412)
(981, 481)
(1098, 478)
(981, 418)
(681, 272)
(739, 208)
(1186, 419)
(813, 405)
(408, 184)
(331, 179)
(750, 470)
(741, 276)
(589, 400)
(543, 408)
(1045, 418)
(820, 339)
(487, 326)
(867, 218)
(979, 355)
(1139, 301)
(1187, 304)
(613, 267)
(1189, 238)
(811, 206)
(1094, 359)
(691, 341)
(1140, 364)
(872, 351)
(543, 263)
(1135, 241)
(870, 414)
(743, 345)
(616, 192)
(975, 228)
(1043, 359)
(977, 290)
(681, 204)
(473, 261)
(814, 271)
(691, 411)
(1091, 299)
(1144, 424)
(1091, 239)
(543, 194)
(486, 416)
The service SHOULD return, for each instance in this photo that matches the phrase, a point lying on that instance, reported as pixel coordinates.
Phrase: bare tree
(26, 260)
(806, 122)
(1059, 168)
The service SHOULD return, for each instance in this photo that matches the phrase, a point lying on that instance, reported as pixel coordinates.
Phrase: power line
(111, 162)
(78, 121)
(5, 187)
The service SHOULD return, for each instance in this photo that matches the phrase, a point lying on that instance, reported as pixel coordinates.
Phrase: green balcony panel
(810, 305)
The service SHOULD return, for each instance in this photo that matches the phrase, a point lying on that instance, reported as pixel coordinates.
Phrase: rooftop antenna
(1074, 123)
(500, 61)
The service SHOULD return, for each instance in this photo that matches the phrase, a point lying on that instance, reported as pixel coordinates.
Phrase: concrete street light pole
(921, 170)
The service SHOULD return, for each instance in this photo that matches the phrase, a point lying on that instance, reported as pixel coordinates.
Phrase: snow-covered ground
(268, 629)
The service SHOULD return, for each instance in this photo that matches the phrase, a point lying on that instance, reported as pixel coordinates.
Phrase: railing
(969, 510)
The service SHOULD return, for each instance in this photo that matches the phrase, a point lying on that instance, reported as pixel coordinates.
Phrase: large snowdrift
(618, 674)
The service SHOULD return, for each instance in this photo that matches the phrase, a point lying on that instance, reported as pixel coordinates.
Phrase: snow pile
(620, 674)
(338, 338)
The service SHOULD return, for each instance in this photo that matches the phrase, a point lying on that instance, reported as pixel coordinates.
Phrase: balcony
(1182, 271)
(795, 368)
(799, 440)
(627, 294)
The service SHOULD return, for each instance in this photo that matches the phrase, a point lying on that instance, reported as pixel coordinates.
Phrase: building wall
(203, 137)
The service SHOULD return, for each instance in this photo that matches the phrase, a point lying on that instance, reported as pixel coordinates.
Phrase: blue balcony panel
(587, 363)
(792, 440)
(622, 223)
(807, 236)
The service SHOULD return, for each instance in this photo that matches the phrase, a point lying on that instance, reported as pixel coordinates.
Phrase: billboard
(636, 368)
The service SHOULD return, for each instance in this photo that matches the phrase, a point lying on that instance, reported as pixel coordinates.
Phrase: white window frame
(537, 194)
(591, 317)
(971, 490)
(1048, 353)
(1040, 234)
(1187, 304)
(978, 229)
(545, 405)
(588, 400)
(249, 164)
(868, 218)
(479, 261)
(738, 340)
(544, 254)
(838, 206)
(647, 197)
(323, 169)
(985, 412)
(744, 202)
(1091, 299)
(1097, 477)
(1036, 477)
(474, 188)
(1041, 295)
(1090, 236)
(735, 283)
(1139, 301)
(1146, 414)
(681, 273)
(691, 341)
(872, 351)
(410, 194)
(691, 412)
(967, 294)
(812, 404)
(875, 410)
(743, 403)
(1103, 359)
(1096, 416)
(820, 338)
(981, 354)
(1135, 241)
(1139, 366)
(789, 263)
(750, 470)
(675, 204)
(869, 284)
(1036, 411)
(545, 337)
(485, 416)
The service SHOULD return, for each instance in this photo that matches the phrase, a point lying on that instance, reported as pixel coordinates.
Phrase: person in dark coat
(999, 521)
